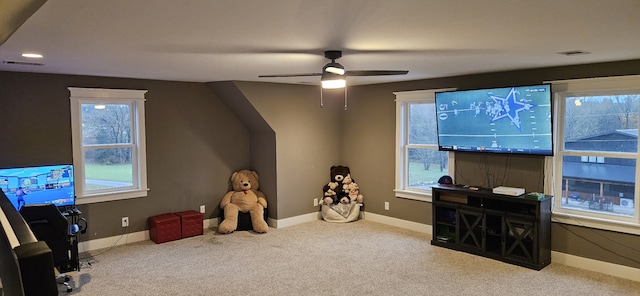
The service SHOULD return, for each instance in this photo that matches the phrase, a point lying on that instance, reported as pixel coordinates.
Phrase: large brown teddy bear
(244, 198)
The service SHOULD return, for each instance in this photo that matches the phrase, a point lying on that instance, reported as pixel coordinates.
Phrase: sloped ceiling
(13, 13)
(204, 40)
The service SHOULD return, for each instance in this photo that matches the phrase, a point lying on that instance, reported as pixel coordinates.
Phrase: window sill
(413, 195)
(89, 199)
(596, 223)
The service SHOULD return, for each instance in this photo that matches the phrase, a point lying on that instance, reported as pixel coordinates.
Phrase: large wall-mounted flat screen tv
(509, 120)
(50, 184)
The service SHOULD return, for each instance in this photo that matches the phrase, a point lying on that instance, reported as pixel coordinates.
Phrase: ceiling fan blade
(375, 72)
(289, 75)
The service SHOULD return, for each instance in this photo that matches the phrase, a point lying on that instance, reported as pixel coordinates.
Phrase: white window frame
(403, 100)
(553, 165)
(134, 98)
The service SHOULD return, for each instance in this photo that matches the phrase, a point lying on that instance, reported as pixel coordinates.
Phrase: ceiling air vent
(22, 63)
(574, 52)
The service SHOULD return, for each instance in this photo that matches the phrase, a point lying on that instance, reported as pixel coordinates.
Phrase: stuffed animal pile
(342, 188)
(244, 198)
(342, 200)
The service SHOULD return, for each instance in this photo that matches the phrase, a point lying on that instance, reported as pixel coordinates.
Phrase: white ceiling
(206, 40)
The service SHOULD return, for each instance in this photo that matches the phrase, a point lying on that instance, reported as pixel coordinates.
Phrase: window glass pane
(108, 144)
(422, 124)
(106, 124)
(425, 167)
(108, 168)
(602, 123)
(606, 188)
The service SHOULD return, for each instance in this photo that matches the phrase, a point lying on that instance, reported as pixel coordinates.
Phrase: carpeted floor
(320, 258)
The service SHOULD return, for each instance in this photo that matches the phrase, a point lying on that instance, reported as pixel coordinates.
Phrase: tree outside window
(425, 163)
(106, 138)
(419, 164)
(108, 143)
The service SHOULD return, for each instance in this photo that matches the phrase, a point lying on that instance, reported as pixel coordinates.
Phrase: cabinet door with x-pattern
(520, 243)
(471, 228)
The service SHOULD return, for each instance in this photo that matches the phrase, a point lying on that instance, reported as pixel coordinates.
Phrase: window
(108, 135)
(597, 151)
(419, 164)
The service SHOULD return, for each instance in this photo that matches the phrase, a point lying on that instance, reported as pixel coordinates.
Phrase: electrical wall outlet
(315, 202)
(386, 205)
(202, 209)
(125, 221)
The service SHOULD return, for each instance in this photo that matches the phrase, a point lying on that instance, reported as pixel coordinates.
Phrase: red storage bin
(191, 222)
(164, 228)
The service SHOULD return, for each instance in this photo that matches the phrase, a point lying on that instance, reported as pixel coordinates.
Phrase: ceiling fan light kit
(331, 80)
(334, 68)
(336, 83)
(334, 75)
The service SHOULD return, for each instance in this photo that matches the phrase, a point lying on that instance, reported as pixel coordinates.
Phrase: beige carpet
(320, 258)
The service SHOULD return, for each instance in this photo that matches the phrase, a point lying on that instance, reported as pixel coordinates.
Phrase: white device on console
(513, 191)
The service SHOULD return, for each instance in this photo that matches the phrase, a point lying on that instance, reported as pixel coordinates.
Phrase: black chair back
(49, 225)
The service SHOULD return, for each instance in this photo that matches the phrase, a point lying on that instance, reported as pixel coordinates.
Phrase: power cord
(124, 231)
(593, 231)
(603, 248)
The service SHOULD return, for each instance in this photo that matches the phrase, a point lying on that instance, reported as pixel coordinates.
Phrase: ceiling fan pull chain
(321, 104)
(345, 98)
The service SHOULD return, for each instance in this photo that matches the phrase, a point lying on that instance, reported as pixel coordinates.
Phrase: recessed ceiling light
(32, 55)
(574, 52)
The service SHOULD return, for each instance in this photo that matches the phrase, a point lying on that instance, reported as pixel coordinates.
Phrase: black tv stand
(512, 229)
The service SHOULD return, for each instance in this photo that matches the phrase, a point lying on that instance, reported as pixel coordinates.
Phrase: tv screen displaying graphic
(39, 185)
(510, 120)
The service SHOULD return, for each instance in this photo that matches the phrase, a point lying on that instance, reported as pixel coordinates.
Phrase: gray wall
(195, 139)
(194, 143)
(262, 140)
(369, 149)
(307, 140)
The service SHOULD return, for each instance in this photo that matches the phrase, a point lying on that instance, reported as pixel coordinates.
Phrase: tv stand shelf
(512, 229)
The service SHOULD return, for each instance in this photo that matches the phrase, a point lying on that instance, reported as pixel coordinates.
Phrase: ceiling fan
(333, 74)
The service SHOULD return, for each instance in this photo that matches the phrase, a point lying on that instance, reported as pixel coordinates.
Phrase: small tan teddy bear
(352, 190)
(244, 198)
(330, 193)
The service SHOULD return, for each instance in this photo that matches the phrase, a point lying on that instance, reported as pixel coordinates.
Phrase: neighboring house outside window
(109, 152)
(419, 164)
(596, 183)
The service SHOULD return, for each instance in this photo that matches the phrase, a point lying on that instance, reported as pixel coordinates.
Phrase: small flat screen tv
(50, 184)
(508, 120)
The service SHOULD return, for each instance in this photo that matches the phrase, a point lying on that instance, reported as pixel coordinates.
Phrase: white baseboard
(294, 220)
(109, 242)
(128, 238)
(419, 227)
(616, 270)
(208, 223)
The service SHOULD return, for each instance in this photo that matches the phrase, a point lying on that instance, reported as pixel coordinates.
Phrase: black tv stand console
(512, 229)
